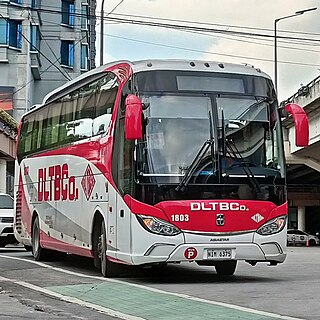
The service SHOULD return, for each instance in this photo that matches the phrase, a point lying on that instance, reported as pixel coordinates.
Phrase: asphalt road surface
(72, 289)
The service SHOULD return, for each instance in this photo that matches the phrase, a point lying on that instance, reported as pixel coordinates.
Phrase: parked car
(6, 220)
(299, 237)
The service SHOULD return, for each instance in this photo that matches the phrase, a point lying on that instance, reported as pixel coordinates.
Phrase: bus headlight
(273, 226)
(158, 226)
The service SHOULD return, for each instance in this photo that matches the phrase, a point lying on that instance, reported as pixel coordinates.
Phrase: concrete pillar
(3, 176)
(302, 218)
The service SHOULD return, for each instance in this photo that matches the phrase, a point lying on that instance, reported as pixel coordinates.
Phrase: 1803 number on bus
(219, 253)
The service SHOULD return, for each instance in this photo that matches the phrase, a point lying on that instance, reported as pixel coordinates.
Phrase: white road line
(217, 303)
(82, 303)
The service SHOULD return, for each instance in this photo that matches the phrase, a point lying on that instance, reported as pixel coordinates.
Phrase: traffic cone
(308, 244)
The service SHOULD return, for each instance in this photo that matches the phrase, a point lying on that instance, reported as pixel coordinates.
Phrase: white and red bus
(153, 162)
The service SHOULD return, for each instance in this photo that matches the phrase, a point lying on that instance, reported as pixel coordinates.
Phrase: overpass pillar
(3, 176)
(302, 218)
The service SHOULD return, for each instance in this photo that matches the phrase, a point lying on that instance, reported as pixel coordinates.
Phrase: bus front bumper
(269, 252)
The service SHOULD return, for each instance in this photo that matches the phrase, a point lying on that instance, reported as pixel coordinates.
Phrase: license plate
(219, 254)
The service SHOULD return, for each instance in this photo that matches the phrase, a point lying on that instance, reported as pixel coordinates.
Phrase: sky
(298, 58)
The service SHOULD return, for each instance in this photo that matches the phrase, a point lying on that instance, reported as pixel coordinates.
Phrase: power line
(212, 24)
(214, 53)
(43, 55)
(191, 22)
(45, 70)
(175, 26)
(205, 34)
(43, 38)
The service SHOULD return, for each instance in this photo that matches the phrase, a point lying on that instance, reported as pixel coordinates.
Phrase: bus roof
(196, 65)
(161, 64)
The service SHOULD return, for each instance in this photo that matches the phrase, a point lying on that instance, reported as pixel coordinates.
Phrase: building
(303, 163)
(43, 44)
(8, 132)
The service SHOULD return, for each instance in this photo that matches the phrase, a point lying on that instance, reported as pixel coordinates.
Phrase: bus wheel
(226, 268)
(38, 252)
(107, 267)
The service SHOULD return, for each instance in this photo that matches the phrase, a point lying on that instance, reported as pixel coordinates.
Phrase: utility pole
(297, 13)
(101, 32)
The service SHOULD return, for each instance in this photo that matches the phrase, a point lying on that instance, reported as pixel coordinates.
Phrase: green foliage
(8, 120)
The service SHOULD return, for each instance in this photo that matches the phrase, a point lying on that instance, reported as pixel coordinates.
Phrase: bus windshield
(178, 125)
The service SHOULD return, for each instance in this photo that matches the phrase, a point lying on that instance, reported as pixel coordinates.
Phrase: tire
(107, 268)
(38, 252)
(226, 268)
(312, 243)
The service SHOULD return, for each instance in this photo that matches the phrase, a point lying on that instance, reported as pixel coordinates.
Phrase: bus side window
(23, 138)
(105, 99)
(39, 120)
(52, 130)
(68, 109)
(82, 126)
(28, 137)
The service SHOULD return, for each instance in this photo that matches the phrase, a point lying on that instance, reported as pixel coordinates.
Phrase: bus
(155, 162)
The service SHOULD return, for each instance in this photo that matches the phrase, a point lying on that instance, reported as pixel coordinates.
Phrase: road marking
(184, 296)
(82, 303)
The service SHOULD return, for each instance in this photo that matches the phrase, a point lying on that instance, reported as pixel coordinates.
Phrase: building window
(35, 3)
(67, 53)
(11, 33)
(34, 38)
(67, 8)
(84, 16)
(3, 31)
(84, 57)
(15, 34)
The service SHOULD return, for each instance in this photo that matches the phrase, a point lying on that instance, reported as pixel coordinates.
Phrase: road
(73, 289)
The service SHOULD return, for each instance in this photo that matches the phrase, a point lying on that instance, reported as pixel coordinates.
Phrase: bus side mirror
(133, 124)
(301, 124)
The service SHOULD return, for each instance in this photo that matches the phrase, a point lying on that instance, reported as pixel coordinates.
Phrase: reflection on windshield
(177, 125)
(249, 123)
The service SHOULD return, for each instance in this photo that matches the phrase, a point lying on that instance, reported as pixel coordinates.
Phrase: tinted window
(6, 202)
(81, 114)
(173, 81)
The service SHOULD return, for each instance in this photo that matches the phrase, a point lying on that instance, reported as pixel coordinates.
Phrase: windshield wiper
(237, 155)
(194, 165)
(197, 159)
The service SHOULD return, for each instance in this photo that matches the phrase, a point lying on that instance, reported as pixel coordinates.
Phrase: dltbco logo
(214, 206)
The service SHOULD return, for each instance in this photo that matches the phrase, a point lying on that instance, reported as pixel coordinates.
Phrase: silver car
(6, 220)
(298, 237)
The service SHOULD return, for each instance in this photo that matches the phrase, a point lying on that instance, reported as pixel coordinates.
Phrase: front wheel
(108, 269)
(226, 268)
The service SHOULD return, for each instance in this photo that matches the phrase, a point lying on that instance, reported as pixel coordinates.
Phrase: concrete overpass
(303, 163)
(8, 132)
